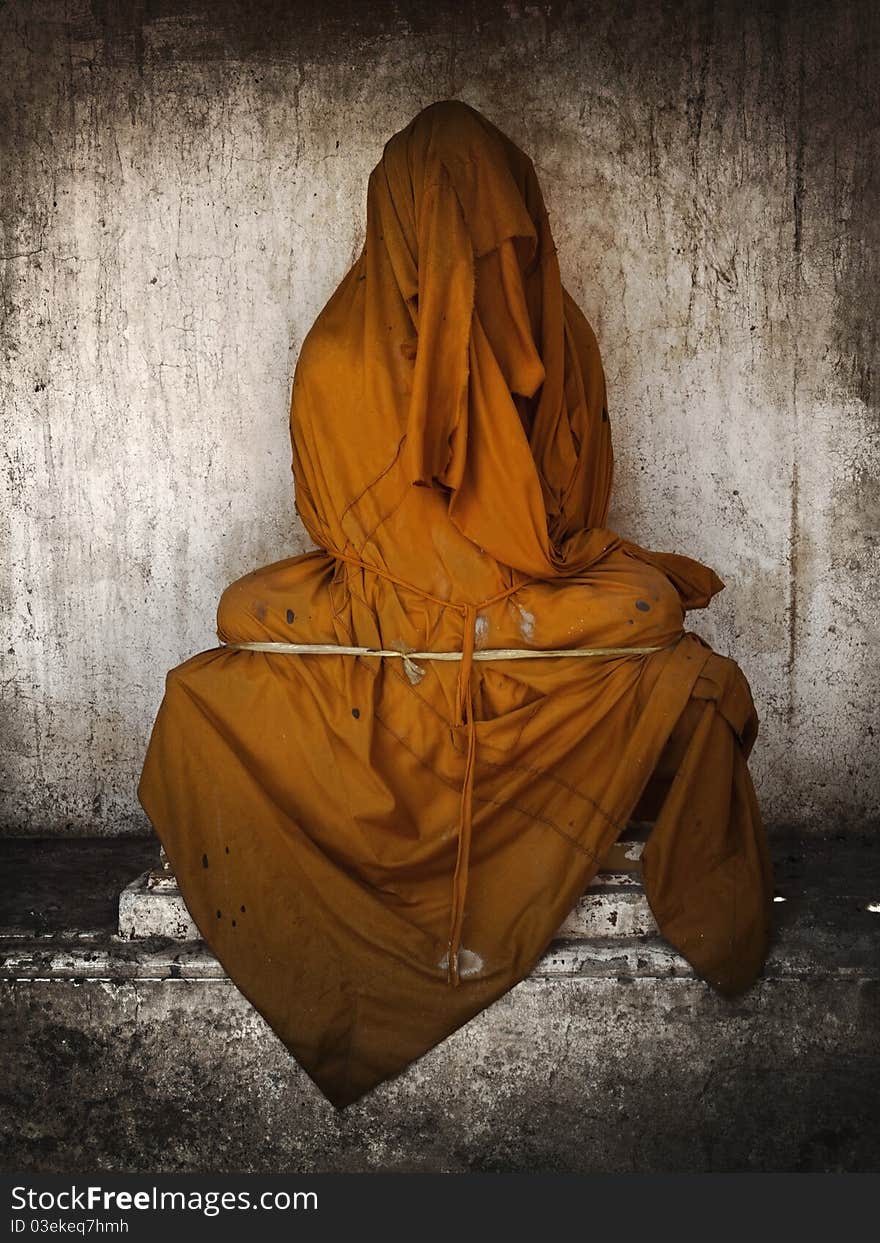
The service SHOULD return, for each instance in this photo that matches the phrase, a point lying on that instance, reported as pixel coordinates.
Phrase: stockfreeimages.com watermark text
(93, 1199)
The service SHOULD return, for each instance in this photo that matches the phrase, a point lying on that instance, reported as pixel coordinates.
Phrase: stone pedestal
(613, 906)
(152, 906)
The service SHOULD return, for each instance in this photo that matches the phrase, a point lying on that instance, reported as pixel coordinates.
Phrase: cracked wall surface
(183, 186)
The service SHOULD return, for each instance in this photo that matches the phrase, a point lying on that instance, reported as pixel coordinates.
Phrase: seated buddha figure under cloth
(377, 846)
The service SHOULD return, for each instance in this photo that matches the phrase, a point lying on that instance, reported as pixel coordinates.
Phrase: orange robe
(374, 858)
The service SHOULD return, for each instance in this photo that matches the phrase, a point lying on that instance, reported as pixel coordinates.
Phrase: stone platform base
(139, 1054)
(614, 906)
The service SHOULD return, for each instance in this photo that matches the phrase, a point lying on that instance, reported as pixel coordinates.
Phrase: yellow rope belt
(415, 674)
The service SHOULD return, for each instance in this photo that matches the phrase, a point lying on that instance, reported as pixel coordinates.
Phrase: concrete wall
(184, 185)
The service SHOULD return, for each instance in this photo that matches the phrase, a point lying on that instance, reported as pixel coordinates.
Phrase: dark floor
(50, 884)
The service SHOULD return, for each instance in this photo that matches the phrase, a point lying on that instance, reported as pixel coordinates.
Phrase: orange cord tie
(465, 707)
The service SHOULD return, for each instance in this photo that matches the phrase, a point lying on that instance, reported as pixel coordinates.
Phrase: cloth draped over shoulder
(376, 857)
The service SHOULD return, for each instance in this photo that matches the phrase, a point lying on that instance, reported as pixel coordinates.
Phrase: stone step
(611, 910)
(614, 907)
(843, 944)
(152, 906)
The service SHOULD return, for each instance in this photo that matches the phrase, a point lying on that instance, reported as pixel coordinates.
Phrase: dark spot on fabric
(290, 616)
(604, 414)
(204, 861)
(233, 923)
(242, 910)
(356, 712)
(227, 850)
(643, 606)
(219, 914)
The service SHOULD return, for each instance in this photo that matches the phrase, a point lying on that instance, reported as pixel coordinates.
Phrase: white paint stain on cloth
(469, 963)
(526, 623)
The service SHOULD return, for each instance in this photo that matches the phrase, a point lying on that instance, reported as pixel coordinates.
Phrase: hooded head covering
(451, 357)
(506, 403)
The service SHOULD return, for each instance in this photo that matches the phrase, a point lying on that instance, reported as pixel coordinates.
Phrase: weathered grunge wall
(183, 186)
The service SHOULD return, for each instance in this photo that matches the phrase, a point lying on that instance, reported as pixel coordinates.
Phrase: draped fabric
(375, 857)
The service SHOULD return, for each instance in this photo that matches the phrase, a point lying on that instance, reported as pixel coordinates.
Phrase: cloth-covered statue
(375, 847)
